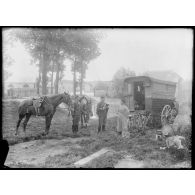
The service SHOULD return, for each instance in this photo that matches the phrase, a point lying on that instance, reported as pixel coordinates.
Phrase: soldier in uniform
(37, 104)
(101, 111)
(75, 111)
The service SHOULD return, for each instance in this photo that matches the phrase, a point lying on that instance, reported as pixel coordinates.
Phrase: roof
(148, 79)
(102, 85)
(166, 75)
(8, 83)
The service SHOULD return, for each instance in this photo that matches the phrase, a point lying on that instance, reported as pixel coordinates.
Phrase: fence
(21, 92)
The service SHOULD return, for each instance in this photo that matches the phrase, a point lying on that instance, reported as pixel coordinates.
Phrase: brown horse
(47, 109)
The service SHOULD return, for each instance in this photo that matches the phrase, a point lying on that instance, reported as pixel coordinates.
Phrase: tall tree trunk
(74, 80)
(81, 84)
(57, 78)
(52, 78)
(44, 75)
(38, 82)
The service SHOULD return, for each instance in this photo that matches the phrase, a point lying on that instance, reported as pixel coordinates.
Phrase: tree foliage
(85, 48)
(7, 59)
(50, 47)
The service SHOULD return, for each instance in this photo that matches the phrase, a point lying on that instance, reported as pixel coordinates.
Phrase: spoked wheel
(174, 113)
(166, 114)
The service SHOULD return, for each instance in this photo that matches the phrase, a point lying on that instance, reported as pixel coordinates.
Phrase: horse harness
(41, 100)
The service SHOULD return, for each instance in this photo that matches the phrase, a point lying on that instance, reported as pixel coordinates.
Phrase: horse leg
(18, 123)
(81, 120)
(25, 122)
(86, 120)
(77, 124)
(47, 124)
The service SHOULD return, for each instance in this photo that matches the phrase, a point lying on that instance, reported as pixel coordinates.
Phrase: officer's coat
(102, 110)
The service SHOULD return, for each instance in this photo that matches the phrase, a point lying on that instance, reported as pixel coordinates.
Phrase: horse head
(67, 99)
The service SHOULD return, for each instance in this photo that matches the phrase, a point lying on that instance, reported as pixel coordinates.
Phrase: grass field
(60, 149)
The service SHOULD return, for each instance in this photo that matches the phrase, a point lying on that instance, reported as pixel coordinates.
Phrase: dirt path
(35, 153)
(129, 162)
(66, 152)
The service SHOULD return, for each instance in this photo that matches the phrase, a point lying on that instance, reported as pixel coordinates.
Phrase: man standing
(37, 104)
(101, 111)
(75, 111)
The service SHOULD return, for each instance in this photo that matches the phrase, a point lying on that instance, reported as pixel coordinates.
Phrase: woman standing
(122, 119)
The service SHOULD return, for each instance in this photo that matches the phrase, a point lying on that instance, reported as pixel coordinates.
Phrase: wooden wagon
(150, 101)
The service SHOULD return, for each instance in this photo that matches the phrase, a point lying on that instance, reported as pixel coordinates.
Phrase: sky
(139, 50)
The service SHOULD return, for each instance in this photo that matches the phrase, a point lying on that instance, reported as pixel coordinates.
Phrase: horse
(47, 109)
(86, 110)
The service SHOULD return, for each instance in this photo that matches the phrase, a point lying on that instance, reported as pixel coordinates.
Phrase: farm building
(104, 88)
(67, 85)
(100, 90)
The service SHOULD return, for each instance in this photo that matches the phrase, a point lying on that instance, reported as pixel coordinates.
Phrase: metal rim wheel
(165, 114)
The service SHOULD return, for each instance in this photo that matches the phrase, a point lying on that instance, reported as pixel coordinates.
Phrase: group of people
(102, 112)
(122, 116)
(78, 108)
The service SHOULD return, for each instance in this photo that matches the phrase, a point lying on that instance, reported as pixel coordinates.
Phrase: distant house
(8, 85)
(100, 90)
(88, 87)
(104, 88)
(67, 85)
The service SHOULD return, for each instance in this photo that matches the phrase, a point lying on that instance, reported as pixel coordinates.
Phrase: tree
(118, 80)
(45, 46)
(50, 47)
(7, 59)
(35, 41)
(59, 71)
(84, 49)
(82, 71)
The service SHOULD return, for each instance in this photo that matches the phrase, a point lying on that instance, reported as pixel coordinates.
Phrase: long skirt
(122, 123)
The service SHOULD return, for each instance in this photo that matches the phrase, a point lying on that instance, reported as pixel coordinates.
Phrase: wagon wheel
(173, 115)
(165, 114)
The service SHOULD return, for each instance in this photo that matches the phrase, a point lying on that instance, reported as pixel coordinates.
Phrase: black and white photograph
(97, 98)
